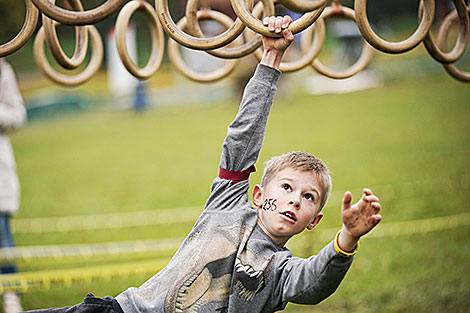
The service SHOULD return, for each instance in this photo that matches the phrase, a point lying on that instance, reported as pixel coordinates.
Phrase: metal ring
(178, 62)
(81, 41)
(237, 52)
(394, 47)
(301, 6)
(243, 50)
(91, 69)
(257, 26)
(78, 18)
(25, 32)
(237, 48)
(459, 48)
(189, 41)
(366, 54)
(311, 51)
(441, 41)
(158, 42)
(225, 52)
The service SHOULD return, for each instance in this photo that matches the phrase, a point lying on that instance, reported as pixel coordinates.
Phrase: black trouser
(90, 304)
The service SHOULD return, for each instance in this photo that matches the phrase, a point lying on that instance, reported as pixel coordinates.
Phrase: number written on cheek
(270, 204)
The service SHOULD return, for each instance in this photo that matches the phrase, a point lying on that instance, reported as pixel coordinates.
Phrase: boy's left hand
(278, 24)
(274, 48)
(358, 219)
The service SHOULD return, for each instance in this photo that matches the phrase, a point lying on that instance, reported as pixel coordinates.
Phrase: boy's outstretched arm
(309, 281)
(358, 219)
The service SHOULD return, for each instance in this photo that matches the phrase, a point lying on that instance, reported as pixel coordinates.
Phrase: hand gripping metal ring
(394, 47)
(81, 41)
(78, 18)
(90, 70)
(177, 60)
(257, 26)
(158, 42)
(199, 43)
(460, 46)
(441, 41)
(25, 33)
(301, 6)
(311, 51)
(359, 65)
(236, 52)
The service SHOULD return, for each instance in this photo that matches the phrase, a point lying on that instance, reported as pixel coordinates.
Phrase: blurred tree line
(12, 12)
(12, 15)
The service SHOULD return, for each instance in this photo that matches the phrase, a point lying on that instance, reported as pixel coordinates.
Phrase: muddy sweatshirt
(227, 263)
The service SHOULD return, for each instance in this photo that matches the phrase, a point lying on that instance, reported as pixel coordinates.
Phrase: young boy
(234, 259)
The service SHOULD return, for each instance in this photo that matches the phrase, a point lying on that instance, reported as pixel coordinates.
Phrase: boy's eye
(286, 186)
(308, 196)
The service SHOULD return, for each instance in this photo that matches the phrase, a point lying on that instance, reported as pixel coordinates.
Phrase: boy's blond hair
(302, 161)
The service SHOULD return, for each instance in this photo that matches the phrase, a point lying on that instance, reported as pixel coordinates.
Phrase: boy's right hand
(274, 47)
(358, 219)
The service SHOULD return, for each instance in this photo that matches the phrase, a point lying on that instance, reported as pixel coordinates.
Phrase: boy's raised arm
(246, 133)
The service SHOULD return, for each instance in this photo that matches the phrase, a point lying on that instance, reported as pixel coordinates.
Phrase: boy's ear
(258, 196)
(315, 221)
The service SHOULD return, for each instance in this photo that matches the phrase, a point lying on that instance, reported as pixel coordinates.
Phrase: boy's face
(288, 204)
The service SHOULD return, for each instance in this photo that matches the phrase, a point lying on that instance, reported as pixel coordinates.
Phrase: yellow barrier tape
(390, 229)
(28, 281)
(190, 214)
(424, 226)
(395, 229)
(33, 253)
(105, 221)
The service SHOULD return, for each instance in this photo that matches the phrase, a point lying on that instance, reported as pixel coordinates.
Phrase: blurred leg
(6, 241)
(90, 304)
(11, 301)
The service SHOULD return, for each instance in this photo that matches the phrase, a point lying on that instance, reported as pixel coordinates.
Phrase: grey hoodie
(227, 263)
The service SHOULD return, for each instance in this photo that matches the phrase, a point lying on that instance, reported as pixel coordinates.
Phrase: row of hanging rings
(241, 37)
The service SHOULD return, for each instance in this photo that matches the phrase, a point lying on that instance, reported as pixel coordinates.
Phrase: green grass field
(409, 141)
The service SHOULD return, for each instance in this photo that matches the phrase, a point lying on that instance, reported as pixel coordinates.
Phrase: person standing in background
(12, 116)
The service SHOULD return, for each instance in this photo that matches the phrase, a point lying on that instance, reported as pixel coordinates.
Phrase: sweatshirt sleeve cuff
(342, 252)
(267, 74)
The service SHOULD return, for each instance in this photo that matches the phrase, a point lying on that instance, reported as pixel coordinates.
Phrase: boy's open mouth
(290, 215)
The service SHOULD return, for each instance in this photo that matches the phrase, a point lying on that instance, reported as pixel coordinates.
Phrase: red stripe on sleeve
(236, 176)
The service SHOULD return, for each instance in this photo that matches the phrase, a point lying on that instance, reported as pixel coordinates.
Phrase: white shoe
(12, 303)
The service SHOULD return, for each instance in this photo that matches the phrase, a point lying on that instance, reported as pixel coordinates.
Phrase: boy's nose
(295, 203)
